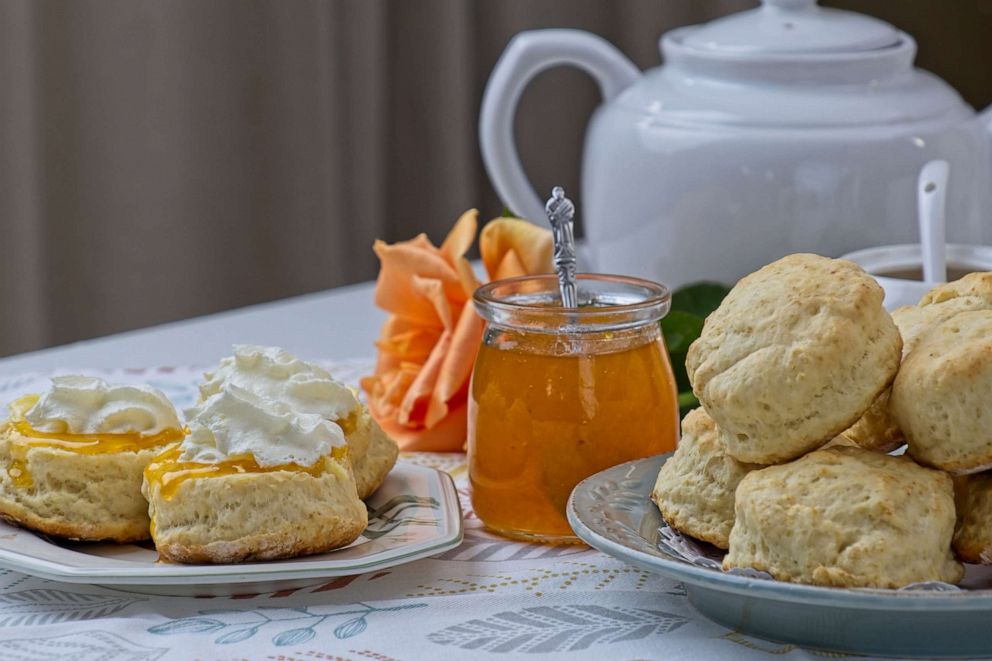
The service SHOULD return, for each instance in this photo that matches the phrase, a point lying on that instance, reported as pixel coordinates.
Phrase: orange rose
(428, 344)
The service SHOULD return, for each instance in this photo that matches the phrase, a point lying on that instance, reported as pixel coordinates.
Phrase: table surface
(490, 598)
(336, 324)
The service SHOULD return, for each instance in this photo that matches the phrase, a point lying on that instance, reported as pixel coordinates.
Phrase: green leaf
(682, 325)
(687, 402)
(681, 329)
(507, 213)
(699, 299)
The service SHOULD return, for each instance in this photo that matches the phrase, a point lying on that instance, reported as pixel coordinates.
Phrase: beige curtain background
(161, 159)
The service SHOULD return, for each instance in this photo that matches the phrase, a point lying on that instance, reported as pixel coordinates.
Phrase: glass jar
(560, 394)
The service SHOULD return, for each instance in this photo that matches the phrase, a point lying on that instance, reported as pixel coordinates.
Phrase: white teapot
(785, 128)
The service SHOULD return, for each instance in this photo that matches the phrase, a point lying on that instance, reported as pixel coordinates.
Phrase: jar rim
(496, 304)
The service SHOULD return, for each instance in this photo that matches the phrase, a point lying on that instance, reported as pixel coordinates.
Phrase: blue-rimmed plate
(611, 511)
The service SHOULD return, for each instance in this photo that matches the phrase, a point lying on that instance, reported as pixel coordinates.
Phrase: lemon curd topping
(86, 443)
(169, 471)
(91, 444)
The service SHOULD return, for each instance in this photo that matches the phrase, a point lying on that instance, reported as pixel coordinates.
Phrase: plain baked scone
(256, 515)
(846, 517)
(377, 451)
(78, 496)
(877, 429)
(695, 487)
(794, 355)
(941, 398)
(973, 536)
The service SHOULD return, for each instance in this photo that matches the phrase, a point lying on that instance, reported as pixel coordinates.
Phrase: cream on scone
(71, 458)
(273, 373)
(846, 517)
(794, 355)
(695, 487)
(254, 480)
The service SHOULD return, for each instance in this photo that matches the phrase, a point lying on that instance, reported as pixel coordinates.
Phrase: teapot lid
(792, 26)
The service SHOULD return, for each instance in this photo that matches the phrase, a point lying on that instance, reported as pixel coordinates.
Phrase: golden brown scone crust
(794, 355)
(846, 517)
(257, 516)
(974, 285)
(695, 487)
(877, 429)
(941, 397)
(973, 536)
(377, 455)
(87, 497)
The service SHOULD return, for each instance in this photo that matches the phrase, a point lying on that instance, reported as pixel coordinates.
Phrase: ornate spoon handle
(560, 212)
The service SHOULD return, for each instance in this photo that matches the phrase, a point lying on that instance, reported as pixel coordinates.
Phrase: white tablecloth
(490, 598)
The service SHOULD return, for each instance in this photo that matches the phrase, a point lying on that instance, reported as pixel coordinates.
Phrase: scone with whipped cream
(255, 479)
(274, 373)
(71, 458)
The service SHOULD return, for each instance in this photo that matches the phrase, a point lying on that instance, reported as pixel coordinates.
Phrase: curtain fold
(162, 159)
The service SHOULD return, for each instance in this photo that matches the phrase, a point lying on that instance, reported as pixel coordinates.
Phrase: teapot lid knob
(789, 4)
(799, 27)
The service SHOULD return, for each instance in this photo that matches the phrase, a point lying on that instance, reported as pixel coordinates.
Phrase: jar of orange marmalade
(560, 394)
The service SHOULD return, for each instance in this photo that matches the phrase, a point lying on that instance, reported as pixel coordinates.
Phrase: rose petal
(461, 236)
(531, 244)
(457, 366)
(406, 339)
(394, 290)
(447, 436)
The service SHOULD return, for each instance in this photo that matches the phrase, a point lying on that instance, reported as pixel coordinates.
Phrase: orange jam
(559, 394)
(79, 443)
(169, 472)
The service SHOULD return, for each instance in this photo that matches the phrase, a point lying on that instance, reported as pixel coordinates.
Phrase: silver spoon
(560, 212)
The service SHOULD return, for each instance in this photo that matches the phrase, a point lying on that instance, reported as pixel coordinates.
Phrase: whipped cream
(274, 373)
(234, 421)
(89, 405)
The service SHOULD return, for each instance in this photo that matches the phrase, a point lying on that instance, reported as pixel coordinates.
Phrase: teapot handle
(528, 54)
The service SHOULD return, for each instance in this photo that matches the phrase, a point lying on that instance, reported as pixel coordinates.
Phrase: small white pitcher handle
(528, 54)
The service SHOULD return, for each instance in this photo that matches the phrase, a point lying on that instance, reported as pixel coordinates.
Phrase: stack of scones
(806, 383)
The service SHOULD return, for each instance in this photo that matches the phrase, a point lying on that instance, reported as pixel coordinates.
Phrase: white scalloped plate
(413, 515)
(611, 511)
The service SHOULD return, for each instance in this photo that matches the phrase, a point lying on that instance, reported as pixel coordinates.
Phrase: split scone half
(846, 517)
(273, 373)
(253, 480)
(72, 458)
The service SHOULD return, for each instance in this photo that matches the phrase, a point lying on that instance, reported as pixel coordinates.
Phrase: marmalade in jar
(559, 395)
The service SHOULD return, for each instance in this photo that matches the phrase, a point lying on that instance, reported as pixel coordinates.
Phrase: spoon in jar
(560, 212)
